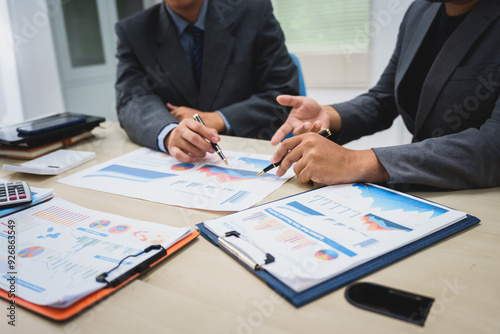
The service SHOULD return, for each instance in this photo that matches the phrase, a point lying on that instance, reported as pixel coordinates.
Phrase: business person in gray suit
(225, 60)
(443, 79)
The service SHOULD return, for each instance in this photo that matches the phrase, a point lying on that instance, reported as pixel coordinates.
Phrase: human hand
(181, 112)
(306, 116)
(187, 141)
(322, 161)
(211, 119)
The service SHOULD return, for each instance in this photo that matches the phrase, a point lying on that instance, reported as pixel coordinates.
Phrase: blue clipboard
(299, 299)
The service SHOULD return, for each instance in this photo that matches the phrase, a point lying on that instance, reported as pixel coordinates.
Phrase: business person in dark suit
(443, 79)
(225, 60)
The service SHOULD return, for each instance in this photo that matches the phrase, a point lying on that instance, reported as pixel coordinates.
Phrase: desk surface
(202, 290)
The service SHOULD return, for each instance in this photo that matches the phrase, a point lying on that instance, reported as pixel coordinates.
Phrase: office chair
(302, 85)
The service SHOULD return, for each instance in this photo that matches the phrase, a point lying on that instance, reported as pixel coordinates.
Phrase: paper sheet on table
(208, 184)
(322, 233)
(62, 247)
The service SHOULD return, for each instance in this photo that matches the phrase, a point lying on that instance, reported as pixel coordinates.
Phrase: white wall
(39, 84)
(90, 89)
(385, 17)
(11, 109)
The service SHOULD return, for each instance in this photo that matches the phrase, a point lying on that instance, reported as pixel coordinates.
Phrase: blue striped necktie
(197, 55)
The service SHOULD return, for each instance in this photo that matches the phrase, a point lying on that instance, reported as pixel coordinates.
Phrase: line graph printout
(322, 233)
(66, 246)
(208, 184)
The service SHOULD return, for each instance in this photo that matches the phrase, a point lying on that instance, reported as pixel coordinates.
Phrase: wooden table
(202, 290)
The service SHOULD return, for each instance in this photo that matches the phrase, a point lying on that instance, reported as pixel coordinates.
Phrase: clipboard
(302, 298)
(62, 314)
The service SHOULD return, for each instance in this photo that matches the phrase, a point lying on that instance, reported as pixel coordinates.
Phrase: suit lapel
(169, 55)
(416, 41)
(217, 49)
(450, 56)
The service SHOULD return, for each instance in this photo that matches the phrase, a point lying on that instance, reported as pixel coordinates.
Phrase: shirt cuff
(163, 134)
(229, 131)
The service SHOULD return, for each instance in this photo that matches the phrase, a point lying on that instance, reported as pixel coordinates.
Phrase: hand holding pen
(215, 146)
(188, 143)
(324, 133)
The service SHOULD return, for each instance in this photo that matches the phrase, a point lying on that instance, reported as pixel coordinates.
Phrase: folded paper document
(208, 184)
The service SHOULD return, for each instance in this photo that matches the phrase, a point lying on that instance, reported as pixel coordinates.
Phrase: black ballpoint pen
(215, 146)
(325, 133)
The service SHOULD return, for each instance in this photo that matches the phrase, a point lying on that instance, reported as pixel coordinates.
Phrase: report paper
(60, 249)
(208, 184)
(319, 234)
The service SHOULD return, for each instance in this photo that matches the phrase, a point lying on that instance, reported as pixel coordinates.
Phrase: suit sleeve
(141, 113)
(260, 115)
(468, 159)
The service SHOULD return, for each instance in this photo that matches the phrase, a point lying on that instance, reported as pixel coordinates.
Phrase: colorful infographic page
(319, 234)
(61, 248)
(208, 184)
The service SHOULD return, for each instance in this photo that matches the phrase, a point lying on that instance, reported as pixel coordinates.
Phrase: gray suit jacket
(456, 129)
(245, 66)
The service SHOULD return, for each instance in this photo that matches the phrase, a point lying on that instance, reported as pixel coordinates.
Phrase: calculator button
(14, 193)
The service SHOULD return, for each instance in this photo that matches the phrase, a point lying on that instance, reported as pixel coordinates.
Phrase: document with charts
(316, 235)
(61, 248)
(208, 184)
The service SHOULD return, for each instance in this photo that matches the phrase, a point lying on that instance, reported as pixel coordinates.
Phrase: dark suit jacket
(456, 129)
(245, 66)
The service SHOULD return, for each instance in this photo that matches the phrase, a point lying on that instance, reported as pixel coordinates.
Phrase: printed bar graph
(334, 205)
(367, 243)
(295, 238)
(263, 222)
(58, 267)
(179, 182)
(256, 216)
(237, 197)
(60, 216)
(84, 242)
(324, 201)
(268, 223)
(110, 247)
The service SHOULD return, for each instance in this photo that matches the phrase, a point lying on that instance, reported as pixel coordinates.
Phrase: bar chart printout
(63, 247)
(208, 184)
(322, 233)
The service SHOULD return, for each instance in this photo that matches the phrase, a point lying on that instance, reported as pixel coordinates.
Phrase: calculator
(14, 193)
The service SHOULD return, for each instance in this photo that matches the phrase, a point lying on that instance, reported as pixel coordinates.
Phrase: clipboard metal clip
(136, 270)
(240, 255)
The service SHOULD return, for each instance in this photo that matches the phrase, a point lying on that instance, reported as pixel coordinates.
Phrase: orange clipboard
(61, 314)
